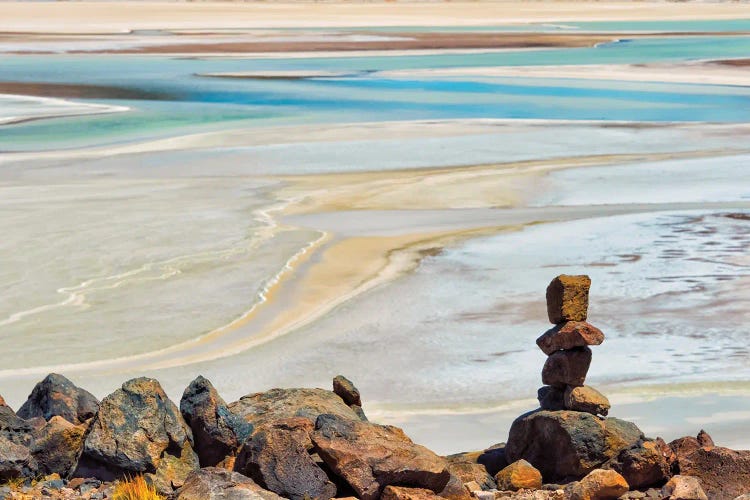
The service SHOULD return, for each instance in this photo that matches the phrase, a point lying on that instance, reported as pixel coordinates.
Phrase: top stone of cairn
(568, 298)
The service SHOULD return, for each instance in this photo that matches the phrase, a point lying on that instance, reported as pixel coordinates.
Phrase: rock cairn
(567, 347)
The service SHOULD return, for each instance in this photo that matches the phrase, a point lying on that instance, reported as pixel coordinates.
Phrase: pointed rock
(345, 389)
(568, 298)
(564, 368)
(370, 457)
(586, 398)
(58, 396)
(138, 430)
(569, 335)
(217, 432)
(705, 440)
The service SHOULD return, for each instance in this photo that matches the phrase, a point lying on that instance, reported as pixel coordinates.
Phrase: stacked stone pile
(567, 348)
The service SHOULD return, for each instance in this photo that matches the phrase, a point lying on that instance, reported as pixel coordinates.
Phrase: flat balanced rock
(586, 399)
(569, 335)
(568, 298)
(565, 368)
(567, 445)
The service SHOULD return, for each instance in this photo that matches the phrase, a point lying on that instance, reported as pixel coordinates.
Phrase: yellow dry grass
(135, 488)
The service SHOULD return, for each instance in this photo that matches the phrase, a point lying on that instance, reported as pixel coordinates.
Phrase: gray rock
(212, 483)
(58, 396)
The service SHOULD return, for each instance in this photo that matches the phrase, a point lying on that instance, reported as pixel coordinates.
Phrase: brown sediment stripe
(79, 91)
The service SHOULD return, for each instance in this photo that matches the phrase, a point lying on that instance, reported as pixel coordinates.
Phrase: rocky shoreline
(300, 444)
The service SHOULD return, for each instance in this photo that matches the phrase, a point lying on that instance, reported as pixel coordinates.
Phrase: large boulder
(278, 404)
(217, 432)
(569, 335)
(370, 457)
(568, 298)
(564, 368)
(723, 473)
(642, 466)
(278, 457)
(58, 396)
(138, 430)
(15, 460)
(519, 475)
(598, 484)
(56, 446)
(586, 398)
(567, 445)
(212, 483)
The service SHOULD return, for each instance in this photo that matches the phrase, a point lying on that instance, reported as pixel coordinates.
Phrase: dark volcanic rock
(346, 390)
(564, 368)
(642, 466)
(56, 446)
(212, 483)
(277, 456)
(138, 430)
(723, 473)
(278, 404)
(370, 457)
(15, 460)
(217, 432)
(14, 428)
(586, 398)
(551, 398)
(569, 335)
(568, 298)
(567, 445)
(58, 396)
(492, 459)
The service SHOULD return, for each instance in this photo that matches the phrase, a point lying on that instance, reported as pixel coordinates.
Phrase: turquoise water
(178, 100)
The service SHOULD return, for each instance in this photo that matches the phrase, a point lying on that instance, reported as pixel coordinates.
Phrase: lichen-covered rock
(370, 457)
(345, 389)
(492, 458)
(469, 471)
(569, 335)
(564, 368)
(586, 398)
(14, 428)
(642, 466)
(278, 404)
(278, 457)
(138, 430)
(217, 432)
(519, 475)
(684, 488)
(568, 298)
(724, 474)
(598, 484)
(15, 460)
(551, 398)
(58, 396)
(56, 446)
(567, 445)
(212, 483)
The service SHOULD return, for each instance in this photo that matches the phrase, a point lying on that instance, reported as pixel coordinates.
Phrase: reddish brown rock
(58, 396)
(684, 446)
(587, 399)
(564, 368)
(217, 432)
(211, 483)
(705, 440)
(598, 484)
(277, 457)
(370, 457)
(15, 460)
(345, 389)
(403, 493)
(724, 474)
(138, 430)
(569, 335)
(492, 458)
(642, 466)
(551, 398)
(56, 446)
(2, 402)
(566, 445)
(684, 488)
(519, 475)
(568, 298)
(469, 470)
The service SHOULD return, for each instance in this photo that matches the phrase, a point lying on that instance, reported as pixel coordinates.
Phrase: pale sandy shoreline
(120, 17)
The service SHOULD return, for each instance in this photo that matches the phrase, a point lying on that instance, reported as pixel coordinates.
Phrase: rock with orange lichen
(519, 475)
(586, 398)
(404, 493)
(568, 298)
(58, 396)
(569, 335)
(56, 446)
(598, 484)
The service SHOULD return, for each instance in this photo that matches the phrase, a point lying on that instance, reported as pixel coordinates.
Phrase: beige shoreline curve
(121, 17)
